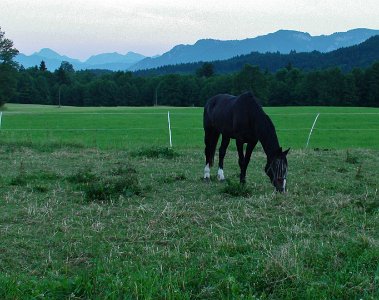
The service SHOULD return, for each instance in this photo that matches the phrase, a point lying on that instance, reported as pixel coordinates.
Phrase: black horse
(243, 119)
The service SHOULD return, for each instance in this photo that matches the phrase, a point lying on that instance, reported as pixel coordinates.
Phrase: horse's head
(276, 169)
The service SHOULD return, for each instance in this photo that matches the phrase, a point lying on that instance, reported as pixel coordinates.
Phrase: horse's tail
(210, 139)
(211, 135)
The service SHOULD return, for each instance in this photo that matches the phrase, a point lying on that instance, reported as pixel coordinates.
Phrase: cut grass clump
(82, 176)
(236, 189)
(350, 158)
(359, 174)
(123, 171)
(10, 147)
(19, 180)
(43, 147)
(121, 181)
(22, 179)
(174, 178)
(54, 146)
(111, 188)
(41, 189)
(156, 152)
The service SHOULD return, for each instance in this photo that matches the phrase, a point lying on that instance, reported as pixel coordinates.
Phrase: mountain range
(283, 41)
(107, 61)
(362, 55)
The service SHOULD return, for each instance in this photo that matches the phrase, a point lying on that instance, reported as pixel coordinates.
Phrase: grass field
(113, 214)
(127, 128)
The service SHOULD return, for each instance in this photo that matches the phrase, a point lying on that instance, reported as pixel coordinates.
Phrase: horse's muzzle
(280, 185)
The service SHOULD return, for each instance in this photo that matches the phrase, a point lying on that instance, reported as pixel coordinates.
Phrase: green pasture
(84, 223)
(93, 205)
(132, 128)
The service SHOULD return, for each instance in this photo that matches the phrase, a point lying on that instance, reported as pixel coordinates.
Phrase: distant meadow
(127, 128)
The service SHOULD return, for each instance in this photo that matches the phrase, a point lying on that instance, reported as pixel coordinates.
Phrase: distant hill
(109, 61)
(283, 41)
(51, 58)
(113, 61)
(361, 55)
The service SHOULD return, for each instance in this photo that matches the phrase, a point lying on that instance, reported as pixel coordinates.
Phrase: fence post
(169, 128)
(310, 132)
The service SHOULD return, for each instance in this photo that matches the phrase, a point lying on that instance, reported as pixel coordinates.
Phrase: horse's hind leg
(210, 140)
(241, 158)
(222, 151)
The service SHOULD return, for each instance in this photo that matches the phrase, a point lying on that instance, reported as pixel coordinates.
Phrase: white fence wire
(171, 126)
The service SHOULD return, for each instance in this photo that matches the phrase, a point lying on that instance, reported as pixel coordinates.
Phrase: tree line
(286, 86)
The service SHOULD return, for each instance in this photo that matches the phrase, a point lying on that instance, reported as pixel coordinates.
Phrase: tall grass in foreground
(173, 236)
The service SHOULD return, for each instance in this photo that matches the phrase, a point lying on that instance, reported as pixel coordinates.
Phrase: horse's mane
(266, 131)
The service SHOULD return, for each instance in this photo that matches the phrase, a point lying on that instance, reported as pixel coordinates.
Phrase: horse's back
(217, 102)
(231, 115)
(218, 112)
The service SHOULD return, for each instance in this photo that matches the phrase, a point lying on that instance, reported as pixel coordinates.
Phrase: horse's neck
(267, 137)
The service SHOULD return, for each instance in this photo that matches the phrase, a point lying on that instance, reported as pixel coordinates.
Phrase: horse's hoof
(220, 174)
(207, 179)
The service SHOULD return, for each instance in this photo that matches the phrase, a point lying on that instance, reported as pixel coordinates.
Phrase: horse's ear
(286, 152)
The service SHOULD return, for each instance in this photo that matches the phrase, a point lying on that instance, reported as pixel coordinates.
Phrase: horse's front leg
(249, 150)
(221, 152)
(207, 172)
(244, 159)
(241, 159)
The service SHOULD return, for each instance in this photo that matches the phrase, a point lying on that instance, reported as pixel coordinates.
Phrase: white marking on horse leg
(220, 174)
(284, 184)
(207, 172)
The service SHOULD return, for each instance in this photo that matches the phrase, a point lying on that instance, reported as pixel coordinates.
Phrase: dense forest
(286, 86)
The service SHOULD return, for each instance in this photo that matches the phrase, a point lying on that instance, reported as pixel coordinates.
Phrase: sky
(80, 28)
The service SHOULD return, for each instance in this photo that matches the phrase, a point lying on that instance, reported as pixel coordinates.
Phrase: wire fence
(364, 123)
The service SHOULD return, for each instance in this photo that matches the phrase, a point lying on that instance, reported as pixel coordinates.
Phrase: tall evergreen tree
(250, 78)
(206, 70)
(42, 66)
(372, 76)
(7, 51)
(64, 77)
(7, 69)
(26, 91)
